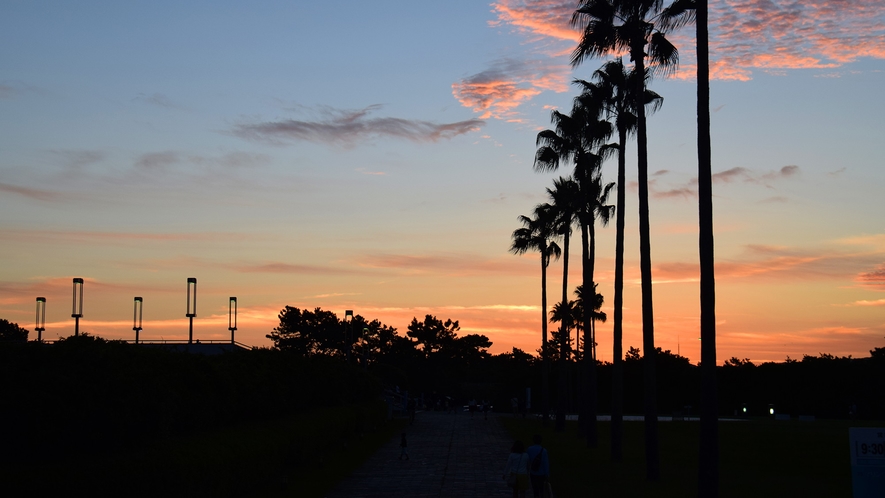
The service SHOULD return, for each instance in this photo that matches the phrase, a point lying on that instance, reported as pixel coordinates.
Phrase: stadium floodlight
(232, 317)
(41, 318)
(191, 307)
(77, 309)
(136, 316)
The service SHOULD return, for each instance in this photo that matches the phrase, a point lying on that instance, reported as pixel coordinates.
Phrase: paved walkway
(451, 456)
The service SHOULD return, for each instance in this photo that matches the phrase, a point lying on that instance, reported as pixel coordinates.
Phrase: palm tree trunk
(564, 337)
(617, 423)
(583, 393)
(708, 478)
(589, 356)
(545, 355)
(652, 458)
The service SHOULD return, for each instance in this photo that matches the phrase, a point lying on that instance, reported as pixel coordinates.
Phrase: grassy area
(757, 458)
(303, 455)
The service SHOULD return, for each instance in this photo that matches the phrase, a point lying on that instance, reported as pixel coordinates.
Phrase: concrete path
(451, 456)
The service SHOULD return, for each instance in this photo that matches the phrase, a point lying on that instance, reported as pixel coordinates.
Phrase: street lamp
(232, 317)
(41, 318)
(77, 310)
(136, 316)
(191, 307)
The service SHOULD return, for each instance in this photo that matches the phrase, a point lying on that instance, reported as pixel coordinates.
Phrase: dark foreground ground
(450, 456)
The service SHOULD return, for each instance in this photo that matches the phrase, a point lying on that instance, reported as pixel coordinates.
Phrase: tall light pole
(136, 316)
(77, 309)
(191, 306)
(41, 318)
(347, 314)
(232, 317)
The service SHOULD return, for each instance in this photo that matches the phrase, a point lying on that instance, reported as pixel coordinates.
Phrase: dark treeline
(431, 359)
(88, 392)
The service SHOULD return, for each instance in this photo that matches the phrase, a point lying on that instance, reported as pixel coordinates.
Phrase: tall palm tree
(679, 13)
(537, 234)
(610, 26)
(576, 138)
(612, 87)
(594, 197)
(565, 197)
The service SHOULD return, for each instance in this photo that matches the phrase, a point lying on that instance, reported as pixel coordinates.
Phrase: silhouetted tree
(609, 26)
(537, 234)
(10, 331)
(613, 88)
(433, 334)
(679, 13)
(309, 333)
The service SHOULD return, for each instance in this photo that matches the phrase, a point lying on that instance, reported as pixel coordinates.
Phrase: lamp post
(41, 318)
(232, 317)
(136, 316)
(191, 307)
(77, 310)
(347, 314)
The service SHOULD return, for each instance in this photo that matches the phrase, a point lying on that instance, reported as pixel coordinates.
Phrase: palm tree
(594, 197)
(612, 87)
(565, 195)
(575, 139)
(679, 13)
(595, 312)
(610, 26)
(537, 234)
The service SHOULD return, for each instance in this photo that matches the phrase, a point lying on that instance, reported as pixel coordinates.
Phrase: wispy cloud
(299, 269)
(33, 193)
(865, 303)
(157, 99)
(733, 175)
(874, 278)
(444, 264)
(498, 90)
(98, 237)
(781, 264)
(349, 127)
(163, 160)
(77, 159)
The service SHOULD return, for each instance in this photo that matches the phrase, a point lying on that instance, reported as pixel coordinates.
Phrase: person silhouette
(404, 447)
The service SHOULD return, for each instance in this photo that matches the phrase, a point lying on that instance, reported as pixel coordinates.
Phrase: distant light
(745, 409)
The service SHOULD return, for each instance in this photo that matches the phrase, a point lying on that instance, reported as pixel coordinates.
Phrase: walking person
(404, 448)
(517, 471)
(539, 469)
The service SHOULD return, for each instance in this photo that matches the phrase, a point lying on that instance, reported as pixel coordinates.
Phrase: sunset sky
(375, 156)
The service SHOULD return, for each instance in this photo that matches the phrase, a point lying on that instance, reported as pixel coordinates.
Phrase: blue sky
(375, 156)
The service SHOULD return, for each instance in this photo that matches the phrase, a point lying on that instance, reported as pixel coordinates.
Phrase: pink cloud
(745, 35)
(506, 84)
(874, 278)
